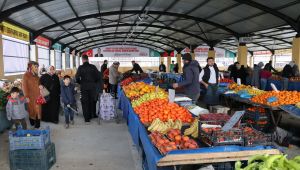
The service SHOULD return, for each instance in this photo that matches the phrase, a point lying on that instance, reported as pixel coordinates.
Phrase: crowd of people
(43, 92)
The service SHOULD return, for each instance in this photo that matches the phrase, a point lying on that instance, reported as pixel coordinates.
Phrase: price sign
(274, 87)
(171, 95)
(233, 120)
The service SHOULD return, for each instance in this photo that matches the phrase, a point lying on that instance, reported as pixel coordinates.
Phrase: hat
(116, 63)
(187, 56)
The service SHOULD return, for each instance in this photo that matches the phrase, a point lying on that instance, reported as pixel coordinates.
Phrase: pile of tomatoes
(162, 109)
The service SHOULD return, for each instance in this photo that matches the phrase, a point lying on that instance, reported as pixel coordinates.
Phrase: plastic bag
(272, 99)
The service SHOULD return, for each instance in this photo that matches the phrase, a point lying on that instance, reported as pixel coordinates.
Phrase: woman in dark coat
(50, 110)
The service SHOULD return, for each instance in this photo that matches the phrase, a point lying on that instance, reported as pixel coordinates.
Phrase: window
(43, 56)
(58, 60)
(15, 55)
(68, 64)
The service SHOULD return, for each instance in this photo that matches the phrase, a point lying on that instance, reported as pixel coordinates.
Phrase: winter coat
(68, 94)
(15, 108)
(113, 75)
(191, 78)
(88, 76)
(256, 76)
(31, 90)
(137, 69)
(162, 68)
(287, 71)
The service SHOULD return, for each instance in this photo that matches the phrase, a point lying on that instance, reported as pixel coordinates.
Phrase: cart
(116, 111)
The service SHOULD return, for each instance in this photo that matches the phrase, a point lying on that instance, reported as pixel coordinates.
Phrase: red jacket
(265, 74)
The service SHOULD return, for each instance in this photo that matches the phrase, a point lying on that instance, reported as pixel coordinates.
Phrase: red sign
(89, 53)
(42, 41)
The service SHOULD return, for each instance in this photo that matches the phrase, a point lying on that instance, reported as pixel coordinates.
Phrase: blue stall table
(155, 161)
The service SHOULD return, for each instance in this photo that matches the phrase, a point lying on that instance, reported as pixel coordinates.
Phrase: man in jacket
(114, 74)
(162, 67)
(191, 78)
(209, 79)
(136, 67)
(90, 81)
(269, 67)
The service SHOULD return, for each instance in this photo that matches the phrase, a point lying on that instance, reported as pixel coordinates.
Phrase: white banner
(202, 52)
(121, 51)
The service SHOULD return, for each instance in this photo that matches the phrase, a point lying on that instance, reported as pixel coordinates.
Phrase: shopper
(295, 68)
(114, 75)
(209, 79)
(249, 73)
(172, 67)
(31, 90)
(256, 74)
(269, 67)
(234, 71)
(89, 79)
(104, 66)
(15, 108)
(136, 68)
(265, 74)
(104, 78)
(176, 68)
(286, 74)
(68, 99)
(191, 78)
(162, 67)
(242, 73)
(50, 110)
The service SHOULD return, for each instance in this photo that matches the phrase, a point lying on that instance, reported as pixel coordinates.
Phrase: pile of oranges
(137, 89)
(162, 109)
(283, 98)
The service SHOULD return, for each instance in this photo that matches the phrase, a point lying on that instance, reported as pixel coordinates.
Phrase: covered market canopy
(157, 24)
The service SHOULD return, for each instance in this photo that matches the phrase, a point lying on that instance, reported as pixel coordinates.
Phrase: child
(68, 99)
(15, 108)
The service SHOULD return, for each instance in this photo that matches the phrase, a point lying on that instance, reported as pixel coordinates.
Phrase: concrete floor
(87, 147)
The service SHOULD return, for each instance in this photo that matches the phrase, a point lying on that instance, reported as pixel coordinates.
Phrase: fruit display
(281, 98)
(253, 137)
(163, 144)
(257, 109)
(193, 130)
(276, 77)
(294, 79)
(137, 89)
(164, 127)
(184, 142)
(214, 117)
(270, 162)
(127, 81)
(226, 80)
(215, 136)
(162, 109)
(249, 89)
(149, 96)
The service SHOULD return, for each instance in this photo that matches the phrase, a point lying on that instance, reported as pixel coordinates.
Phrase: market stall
(155, 158)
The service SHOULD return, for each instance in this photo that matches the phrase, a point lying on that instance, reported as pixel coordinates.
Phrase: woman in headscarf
(50, 110)
(30, 86)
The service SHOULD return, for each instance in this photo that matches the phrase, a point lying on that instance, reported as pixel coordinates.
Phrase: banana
(193, 130)
(152, 125)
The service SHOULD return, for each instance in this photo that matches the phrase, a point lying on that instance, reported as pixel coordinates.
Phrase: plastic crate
(29, 139)
(219, 137)
(40, 159)
(255, 138)
(255, 115)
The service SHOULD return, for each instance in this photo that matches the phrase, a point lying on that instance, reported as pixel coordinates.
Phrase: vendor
(265, 74)
(256, 74)
(286, 74)
(209, 79)
(136, 68)
(191, 78)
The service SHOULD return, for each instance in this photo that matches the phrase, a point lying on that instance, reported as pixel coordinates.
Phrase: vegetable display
(270, 162)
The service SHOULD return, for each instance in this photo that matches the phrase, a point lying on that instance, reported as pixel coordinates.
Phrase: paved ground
(90, 147)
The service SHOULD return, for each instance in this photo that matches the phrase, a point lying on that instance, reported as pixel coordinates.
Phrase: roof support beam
(138, 38)
(121, 9)
(5, 14)
(120, 43)
(120, 33)
(111, 26)
(271, 11)
(137, 12)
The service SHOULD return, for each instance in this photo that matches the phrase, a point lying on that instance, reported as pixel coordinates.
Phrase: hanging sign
(120, 51)
(14, 31)
(56, 46)
(89, 53)
(42, 41)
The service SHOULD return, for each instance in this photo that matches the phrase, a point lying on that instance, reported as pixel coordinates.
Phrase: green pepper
(271, 159)
(238, 165)
(257, 158)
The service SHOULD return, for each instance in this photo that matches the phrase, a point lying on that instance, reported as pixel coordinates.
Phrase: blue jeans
(263, 84)
(69, 114)
(211, 96)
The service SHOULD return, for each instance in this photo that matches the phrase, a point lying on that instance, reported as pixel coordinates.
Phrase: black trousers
(36, 123)
(88, 104)
(114, 90)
